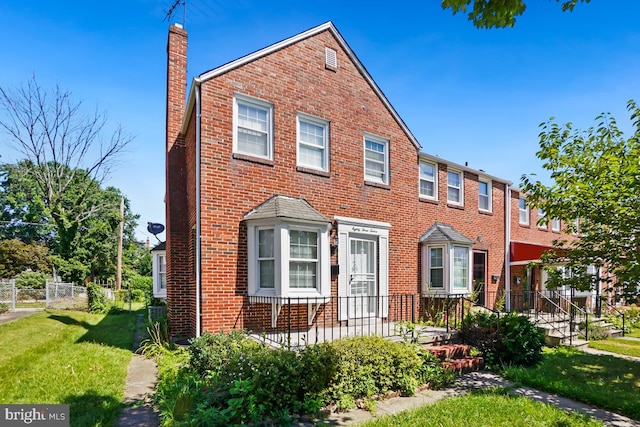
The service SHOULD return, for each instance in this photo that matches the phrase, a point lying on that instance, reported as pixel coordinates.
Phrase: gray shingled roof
(160, 247)
(285, 207)
(440, 232)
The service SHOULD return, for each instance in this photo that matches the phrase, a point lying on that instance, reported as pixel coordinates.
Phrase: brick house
(294, 187)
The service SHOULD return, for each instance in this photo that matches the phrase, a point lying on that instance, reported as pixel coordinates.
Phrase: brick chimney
(176, 81)
(180, 290)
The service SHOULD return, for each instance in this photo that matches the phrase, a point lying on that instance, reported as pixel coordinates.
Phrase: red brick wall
(180, 286)
(485, 229)
(294, 79)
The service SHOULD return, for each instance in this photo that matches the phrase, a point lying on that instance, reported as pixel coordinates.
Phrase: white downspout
(507, 246)
(198, 261)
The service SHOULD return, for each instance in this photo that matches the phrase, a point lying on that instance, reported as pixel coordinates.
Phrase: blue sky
(468, 95)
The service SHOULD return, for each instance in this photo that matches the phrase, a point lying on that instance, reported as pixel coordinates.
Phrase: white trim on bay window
(301, 259)
(313, 142)
(446, 269)
(252, 127)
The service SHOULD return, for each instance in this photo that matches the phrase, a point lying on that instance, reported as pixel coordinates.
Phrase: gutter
(198, 223)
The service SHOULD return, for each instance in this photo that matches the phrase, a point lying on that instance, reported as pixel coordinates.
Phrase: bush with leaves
(230, 379)
(31, 280)
(507, 339)
(98, 301)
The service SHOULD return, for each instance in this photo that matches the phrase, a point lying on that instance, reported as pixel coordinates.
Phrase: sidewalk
(142, 376)
(18, 314)
(469, 382)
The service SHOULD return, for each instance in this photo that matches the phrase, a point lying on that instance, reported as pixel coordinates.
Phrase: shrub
(366, 366)
(231, 379)
(508, 339)
(98, 301)
(4, 307)
(31, 280)
(141, 288)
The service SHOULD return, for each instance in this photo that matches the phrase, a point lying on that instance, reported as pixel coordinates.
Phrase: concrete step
(450, 351)
(464, 365)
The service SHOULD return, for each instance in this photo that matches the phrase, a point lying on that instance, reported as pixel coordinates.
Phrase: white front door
(361, 289)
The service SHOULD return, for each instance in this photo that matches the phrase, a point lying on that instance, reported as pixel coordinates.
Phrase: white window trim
(319, 122)
(158, 292)
(237, 97)
(489, 195)
(555, 225)
(526, 211)
(435, 181)
(379, 140)
(282, 258)
(545, 224)
(448, 253)
(445, 270)
(461, 188)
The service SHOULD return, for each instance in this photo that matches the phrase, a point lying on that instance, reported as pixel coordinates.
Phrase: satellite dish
(155, 228)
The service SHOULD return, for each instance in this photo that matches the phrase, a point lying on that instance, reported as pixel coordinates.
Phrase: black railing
(298, 321)
(612, 310)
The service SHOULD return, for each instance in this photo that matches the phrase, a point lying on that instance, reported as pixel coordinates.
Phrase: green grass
(635, 333)
(616, 345)
(604, 381)
(68, 357)
(492, 408)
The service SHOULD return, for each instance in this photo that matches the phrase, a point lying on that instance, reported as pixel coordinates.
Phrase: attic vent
(331, 59)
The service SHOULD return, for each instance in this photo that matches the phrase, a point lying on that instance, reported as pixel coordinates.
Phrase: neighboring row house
(295, 188)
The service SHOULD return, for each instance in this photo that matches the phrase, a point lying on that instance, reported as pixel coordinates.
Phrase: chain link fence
(55, 295)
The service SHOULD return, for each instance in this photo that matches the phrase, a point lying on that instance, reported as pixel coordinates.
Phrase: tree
(496, 13)
(16, 257)
(64, 153)
(595, 191)
(88, 248)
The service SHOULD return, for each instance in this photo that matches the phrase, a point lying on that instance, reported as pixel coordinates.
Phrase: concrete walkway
(142, 376)
(19, 313)
(465, 384)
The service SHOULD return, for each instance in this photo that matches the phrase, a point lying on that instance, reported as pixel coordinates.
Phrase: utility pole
(120, 237)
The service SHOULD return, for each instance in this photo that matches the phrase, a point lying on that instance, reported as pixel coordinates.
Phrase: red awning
(521, 252)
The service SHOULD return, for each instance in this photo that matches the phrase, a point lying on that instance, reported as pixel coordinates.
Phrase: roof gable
(327, 26)
(285, 207)
(443, 233)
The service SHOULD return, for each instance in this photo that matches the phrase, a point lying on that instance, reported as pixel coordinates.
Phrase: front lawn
(68, 357)
(604, 381)
(491, 408)
(617, 345)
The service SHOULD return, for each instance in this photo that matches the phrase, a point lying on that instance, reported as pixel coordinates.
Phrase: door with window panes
(362, 279)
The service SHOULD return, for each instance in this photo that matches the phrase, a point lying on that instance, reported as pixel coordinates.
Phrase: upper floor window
(524, 211)
(428, 180)
(376, 159)
(252, 127)
(484, 195)
(455, 187)
(555, 224)
(542, 218)
(313, 142)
